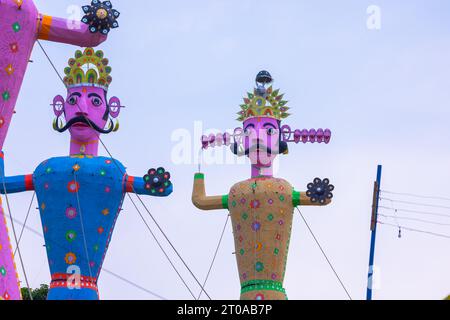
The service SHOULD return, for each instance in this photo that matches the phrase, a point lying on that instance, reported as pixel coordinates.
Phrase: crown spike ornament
(97, 73)
(264, 102)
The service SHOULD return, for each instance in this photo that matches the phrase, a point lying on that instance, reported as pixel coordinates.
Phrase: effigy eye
(96, 102)
(72, 100)
(271, 131)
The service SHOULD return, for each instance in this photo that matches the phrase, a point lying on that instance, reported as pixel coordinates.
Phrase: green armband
(295, 198)
(199, 176)
(225, 202)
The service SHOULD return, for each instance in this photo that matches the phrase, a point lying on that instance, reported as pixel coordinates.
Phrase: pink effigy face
(86, 112)
(262, 140)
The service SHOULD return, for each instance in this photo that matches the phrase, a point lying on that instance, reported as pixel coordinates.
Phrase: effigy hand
(320, 191)
(157, 181)
(100, 16)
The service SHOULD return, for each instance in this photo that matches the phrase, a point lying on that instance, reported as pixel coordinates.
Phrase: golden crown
(269, 104)
(97, 73)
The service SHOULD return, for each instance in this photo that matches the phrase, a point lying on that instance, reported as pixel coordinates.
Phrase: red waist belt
(60, 280)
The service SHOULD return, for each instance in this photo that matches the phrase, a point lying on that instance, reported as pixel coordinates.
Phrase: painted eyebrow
(75, 94)
(270, 125)
(251, 125)
(94, 95)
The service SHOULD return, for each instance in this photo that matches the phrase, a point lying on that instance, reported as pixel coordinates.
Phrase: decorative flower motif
(100, 230)
(244, 276)
(73, 187)
(255, 204)
(71, 213)
(320, 191)
(19, 2)
(281, 222)
(274, 276)
(76, 167)
(278, 237)
(16, 27)
(14, 47)
(107, 189)
(6, 96)
(245, 216)
(71, 236)
(258, 246)
(276, 251)
(105, 212)
(9, 69)
(270, 201)
(242, 252)
(70, 258)
(270, 217)
(256, 226)
(259, 297)
(2, 271)
(259, 266)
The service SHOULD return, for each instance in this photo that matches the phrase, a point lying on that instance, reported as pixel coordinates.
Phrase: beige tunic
(262, 212)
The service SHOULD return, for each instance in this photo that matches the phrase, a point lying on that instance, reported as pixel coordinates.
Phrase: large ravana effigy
(80, 196)
(21, 25)
(261, 208)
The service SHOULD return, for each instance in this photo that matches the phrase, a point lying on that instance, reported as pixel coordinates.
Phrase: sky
(383, 92)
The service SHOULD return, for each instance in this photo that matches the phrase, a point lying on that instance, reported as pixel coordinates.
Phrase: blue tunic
(80, 199)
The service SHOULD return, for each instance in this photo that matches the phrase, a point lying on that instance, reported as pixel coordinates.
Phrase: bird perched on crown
(80, 196)
(261, 208)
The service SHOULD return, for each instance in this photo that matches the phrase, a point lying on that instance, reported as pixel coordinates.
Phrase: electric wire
(415, 195)
(415, 203)
(413, 219)
(15, 235)
(324, 254)
(418, 212)
(160, 246)
(416, 230)
(115, 275)
(25, 223)
(214, 258)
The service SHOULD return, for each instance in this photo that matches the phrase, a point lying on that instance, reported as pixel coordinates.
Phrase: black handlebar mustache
(86, 121)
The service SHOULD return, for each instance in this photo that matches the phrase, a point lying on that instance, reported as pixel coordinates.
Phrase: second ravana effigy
(80, 196)
(262, 207)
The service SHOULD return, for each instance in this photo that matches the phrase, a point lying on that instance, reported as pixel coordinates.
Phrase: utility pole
(373, 229)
